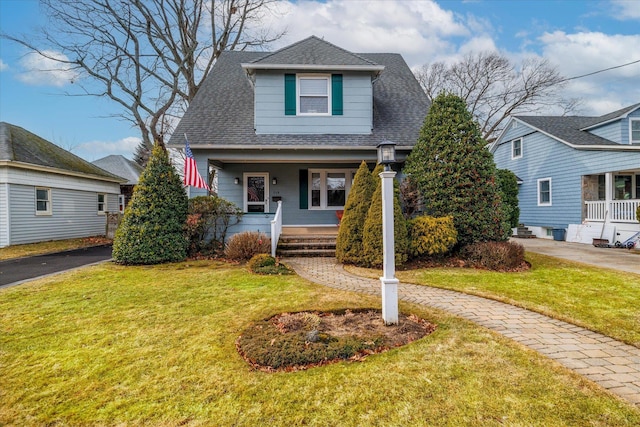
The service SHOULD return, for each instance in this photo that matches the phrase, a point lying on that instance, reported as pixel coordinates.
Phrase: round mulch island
(297, 341)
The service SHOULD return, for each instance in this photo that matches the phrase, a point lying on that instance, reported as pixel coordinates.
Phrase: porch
(612, 211)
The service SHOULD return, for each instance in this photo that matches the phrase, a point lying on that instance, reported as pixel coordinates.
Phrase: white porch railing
(276, 229)
(616, 210)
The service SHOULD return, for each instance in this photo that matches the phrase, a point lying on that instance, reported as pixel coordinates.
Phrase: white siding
(74, 204)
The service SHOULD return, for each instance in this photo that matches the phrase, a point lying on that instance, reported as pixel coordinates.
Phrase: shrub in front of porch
(243, 246)
(429, 236)
(638, 214)
(152, 229)
(349, 240)
(372, 242)
(209, 218)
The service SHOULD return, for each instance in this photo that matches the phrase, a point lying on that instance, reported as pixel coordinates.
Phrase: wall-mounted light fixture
(274, 181)
(236, 181)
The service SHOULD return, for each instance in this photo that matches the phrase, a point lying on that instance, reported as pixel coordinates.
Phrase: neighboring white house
(47, 193)
(578, 174)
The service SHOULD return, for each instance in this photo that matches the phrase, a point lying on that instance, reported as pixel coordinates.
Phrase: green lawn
(155, 345)
(599, 299)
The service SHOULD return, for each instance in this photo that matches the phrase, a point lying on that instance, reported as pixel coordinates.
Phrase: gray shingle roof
(222, 113)
(574, 129)
(120, 166)
(567, 128)
(20, 145)
(313, 51)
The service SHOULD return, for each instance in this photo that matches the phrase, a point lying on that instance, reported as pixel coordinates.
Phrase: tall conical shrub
(152, 230)
(455, 173)
(349, 240)
(372, 242)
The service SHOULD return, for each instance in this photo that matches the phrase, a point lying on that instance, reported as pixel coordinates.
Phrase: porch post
(608, 195)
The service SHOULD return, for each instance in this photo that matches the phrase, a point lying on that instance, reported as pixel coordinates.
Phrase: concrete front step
(307, 245)
(523, 233)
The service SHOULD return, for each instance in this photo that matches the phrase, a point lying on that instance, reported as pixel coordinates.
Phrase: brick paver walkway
(610, 363)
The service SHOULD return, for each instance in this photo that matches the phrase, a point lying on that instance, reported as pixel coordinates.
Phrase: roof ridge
(312, 37)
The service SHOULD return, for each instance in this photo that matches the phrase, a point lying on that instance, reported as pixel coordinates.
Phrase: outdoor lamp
(386, 153)
(274, 181)
(236, 181)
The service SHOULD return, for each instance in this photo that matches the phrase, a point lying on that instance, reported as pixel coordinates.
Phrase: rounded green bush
(431, 236)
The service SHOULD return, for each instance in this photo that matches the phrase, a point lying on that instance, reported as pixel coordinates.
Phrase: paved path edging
(610, 363)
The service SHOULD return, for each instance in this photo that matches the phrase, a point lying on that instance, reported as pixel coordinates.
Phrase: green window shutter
(336, 94)
(304, 189)
(289, 94)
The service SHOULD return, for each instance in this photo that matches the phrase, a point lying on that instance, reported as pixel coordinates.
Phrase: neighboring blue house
(47, 193)
(581, 174)
(294, 125)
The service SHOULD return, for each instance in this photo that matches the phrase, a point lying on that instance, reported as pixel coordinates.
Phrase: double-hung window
(544, 192)
(102, 203)
(329, 188)
(634, 131)
(314, 96)
(43, 201)
(516, 148)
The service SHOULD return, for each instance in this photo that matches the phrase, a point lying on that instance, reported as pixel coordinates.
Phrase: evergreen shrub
(431, 236)
(349, 240)
(508, 186)
(455, 173)
(152, 229)
(243, 246)
(372, 242)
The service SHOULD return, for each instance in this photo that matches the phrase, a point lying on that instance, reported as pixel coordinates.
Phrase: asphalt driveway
(16, 271)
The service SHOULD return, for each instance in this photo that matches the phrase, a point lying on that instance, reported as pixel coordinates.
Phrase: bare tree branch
(494, 88)
(148, 56)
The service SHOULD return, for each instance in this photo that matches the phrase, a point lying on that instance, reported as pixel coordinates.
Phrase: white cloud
(46, 70)
(625, 9)
(418, 30)
(586, 52)
(3, 65)
(94, 150)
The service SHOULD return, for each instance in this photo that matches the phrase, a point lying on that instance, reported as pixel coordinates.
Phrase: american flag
(191, 175)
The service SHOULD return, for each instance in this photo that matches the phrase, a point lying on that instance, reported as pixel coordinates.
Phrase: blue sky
(578, 36)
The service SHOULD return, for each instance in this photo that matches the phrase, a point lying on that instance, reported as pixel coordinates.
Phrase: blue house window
(634, 129)
(516, 148)
(313, 95)
(544, 192)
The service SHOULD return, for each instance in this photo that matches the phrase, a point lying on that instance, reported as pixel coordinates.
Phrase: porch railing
(276, 229)
(615, 211)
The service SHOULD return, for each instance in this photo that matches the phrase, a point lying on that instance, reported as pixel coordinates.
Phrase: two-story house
(580, 174)
(290, 128)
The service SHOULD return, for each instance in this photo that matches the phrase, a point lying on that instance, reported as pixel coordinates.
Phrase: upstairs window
(516, 148)
(313, 95)
(634, 131)
(43, 201)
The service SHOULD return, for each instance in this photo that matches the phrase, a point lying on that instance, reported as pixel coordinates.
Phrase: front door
(256, 192)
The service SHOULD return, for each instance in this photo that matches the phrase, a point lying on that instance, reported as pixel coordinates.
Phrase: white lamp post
(387, 156)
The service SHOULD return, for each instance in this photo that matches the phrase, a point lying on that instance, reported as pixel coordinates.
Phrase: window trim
(104, 203)
(631, 121)
(348, 176)
(48, 211)
(513, 148)
(327, 79)
(540, 202)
